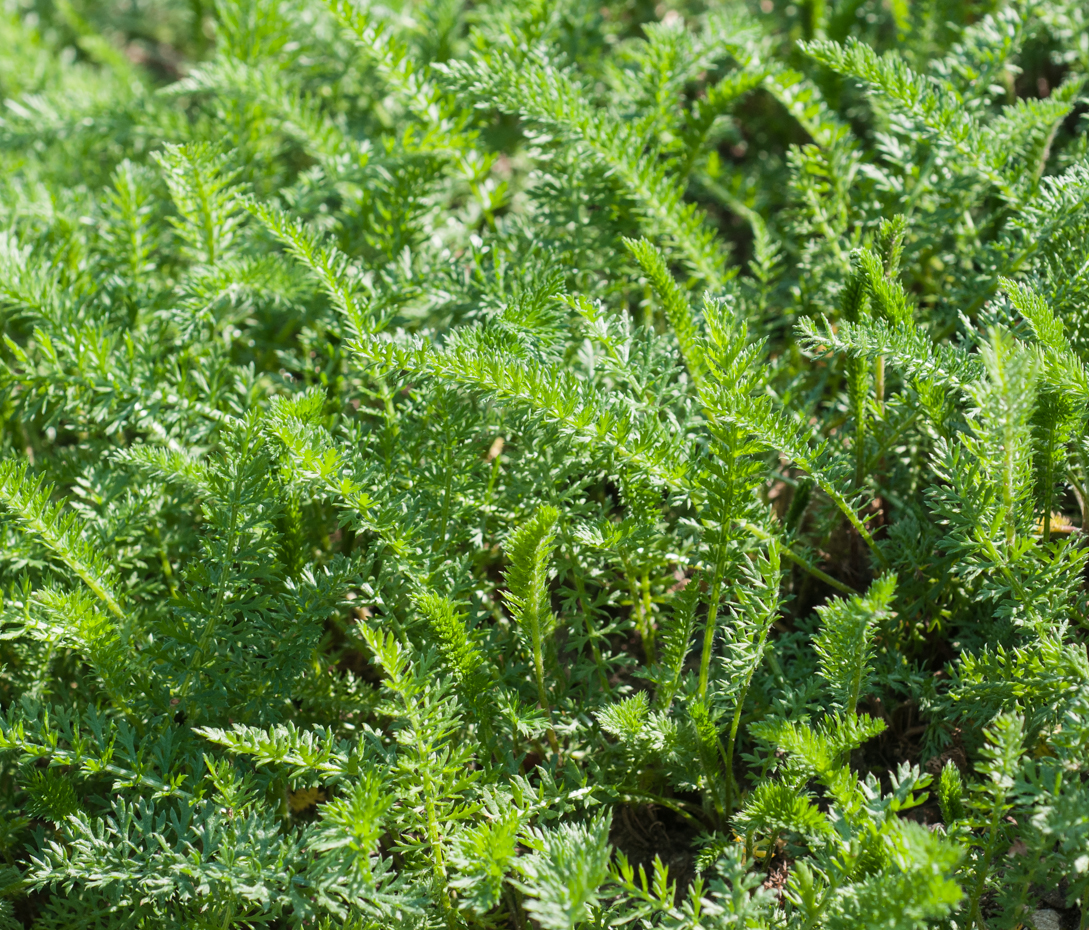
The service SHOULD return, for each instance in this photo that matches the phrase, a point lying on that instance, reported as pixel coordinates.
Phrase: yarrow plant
(556, 464)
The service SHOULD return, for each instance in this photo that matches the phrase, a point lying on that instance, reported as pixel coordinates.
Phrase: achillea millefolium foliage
(546, 464)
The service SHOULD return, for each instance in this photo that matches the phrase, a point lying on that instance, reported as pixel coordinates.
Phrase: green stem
(917, 187)
(815, 16)
(853, 519)
(77, 565)
(514, 906)
(542, 694)
(889, 439)
(591, 633)
(739, 706)
(678, 807)
(791, 556)
(486, 504)
(981, 880)
(709, 632)
(448, 477)
(879, 384)
(67, 757)
(1048, 488)
(221, 590)
(858, 402)
(772, 842)
(1081, 486)
(438, 859)
(639, 609)
(164, 560)
(648, 616)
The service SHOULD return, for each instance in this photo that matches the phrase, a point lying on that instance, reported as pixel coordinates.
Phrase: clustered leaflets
(549, 465)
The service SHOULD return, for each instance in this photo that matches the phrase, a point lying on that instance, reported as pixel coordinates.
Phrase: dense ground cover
(554, 464)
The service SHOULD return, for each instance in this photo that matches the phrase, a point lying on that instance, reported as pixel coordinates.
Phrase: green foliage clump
(546, 464)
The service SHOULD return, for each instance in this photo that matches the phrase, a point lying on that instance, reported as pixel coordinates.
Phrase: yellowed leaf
(299, 801)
